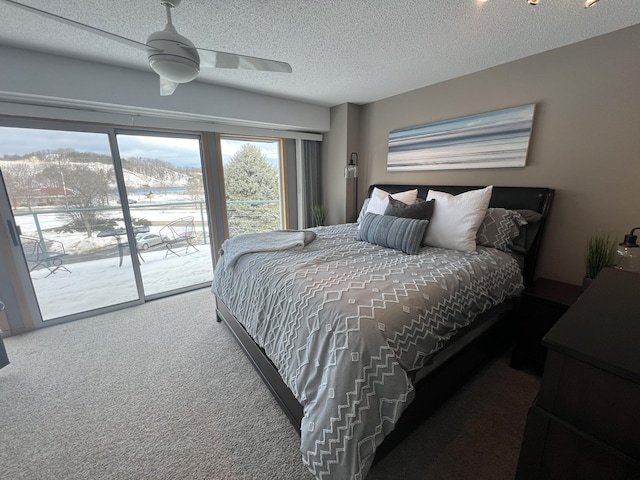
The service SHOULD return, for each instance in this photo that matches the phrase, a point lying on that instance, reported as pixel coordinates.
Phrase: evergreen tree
(252, 192)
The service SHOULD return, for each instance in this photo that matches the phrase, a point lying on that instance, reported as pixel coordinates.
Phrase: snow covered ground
(100, 283)
(159, 211)
(96, 279)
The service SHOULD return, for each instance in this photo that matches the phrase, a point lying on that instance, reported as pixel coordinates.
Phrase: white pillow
(456, 219)
(380, 199)
(363, 210)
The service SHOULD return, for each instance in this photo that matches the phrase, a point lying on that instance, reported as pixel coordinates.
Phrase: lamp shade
(351, 170)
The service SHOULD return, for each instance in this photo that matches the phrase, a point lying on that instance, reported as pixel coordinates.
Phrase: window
(253, 181)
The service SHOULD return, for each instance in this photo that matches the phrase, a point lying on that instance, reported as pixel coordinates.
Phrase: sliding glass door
(101, 217)
(106, 218)
(60, 186)
(166, 199)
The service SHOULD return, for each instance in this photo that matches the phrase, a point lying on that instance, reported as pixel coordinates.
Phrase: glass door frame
(24, 302)
(127, 211)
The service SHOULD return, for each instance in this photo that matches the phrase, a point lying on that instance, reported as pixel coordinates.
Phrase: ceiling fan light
(176, 69)
(173, 56)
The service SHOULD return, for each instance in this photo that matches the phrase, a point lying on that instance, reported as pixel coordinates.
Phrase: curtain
(311, 175)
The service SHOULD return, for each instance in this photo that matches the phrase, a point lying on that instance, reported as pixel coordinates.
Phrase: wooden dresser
(585, 422)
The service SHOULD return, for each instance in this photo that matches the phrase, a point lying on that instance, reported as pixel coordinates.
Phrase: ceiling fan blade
(213, 58)
(167, 87)
(73, 23)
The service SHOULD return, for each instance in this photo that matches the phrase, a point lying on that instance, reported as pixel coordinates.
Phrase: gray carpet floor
(162, 391)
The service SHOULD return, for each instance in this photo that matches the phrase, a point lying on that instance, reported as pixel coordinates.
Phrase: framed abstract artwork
(495, 139)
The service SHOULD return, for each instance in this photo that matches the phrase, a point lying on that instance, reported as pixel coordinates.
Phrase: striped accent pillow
(404, 234)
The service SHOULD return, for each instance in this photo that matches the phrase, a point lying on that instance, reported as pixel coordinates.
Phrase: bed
(347, 333)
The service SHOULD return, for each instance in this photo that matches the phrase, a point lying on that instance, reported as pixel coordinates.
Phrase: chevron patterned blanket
(345, 321)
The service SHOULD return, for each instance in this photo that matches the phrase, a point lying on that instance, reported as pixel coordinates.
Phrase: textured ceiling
(341, 51)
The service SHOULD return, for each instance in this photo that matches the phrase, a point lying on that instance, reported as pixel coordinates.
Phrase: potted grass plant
(600, 253)
(319, 215)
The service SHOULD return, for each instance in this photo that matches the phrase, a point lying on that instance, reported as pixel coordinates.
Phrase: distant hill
(138, 172)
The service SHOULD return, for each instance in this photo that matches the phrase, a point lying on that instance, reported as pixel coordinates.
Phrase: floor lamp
(351, 172)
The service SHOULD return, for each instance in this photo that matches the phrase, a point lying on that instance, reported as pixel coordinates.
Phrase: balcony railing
(45, 221)
(244, 216)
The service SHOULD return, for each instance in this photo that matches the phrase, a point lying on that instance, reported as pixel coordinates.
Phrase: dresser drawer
(594, 401)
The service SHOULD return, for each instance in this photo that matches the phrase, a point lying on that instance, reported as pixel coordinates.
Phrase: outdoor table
(116, 233)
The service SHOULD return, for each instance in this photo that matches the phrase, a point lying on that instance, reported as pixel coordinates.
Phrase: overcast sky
(179, 151)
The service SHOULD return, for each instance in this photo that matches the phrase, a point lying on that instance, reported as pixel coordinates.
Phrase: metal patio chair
(46, 253)
(179, 234)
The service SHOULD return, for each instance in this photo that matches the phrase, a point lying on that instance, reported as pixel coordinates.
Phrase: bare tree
(87, 188)
(19, 177)
(195, 187)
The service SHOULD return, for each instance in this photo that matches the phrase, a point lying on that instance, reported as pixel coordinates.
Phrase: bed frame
(451, 374)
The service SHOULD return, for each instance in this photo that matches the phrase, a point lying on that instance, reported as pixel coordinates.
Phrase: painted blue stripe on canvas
(488, 140)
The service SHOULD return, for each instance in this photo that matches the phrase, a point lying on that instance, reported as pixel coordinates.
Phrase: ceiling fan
(173, 57)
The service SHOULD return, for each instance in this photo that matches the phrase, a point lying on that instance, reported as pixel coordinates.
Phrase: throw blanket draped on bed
(233, 248)
(345, 322)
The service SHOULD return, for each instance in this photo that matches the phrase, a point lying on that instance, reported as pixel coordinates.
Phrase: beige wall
(344, 138)
(353, 145)
(585, 141)
(334, 150)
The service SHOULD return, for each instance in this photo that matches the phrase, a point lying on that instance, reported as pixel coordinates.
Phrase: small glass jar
(628, 253)
(626, 259)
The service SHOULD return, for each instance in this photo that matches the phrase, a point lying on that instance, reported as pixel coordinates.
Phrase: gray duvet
(345, 321)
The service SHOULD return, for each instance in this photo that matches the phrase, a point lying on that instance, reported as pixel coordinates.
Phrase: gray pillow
(421, 210)
(528, 232)
(404, 234)
(499, 228)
